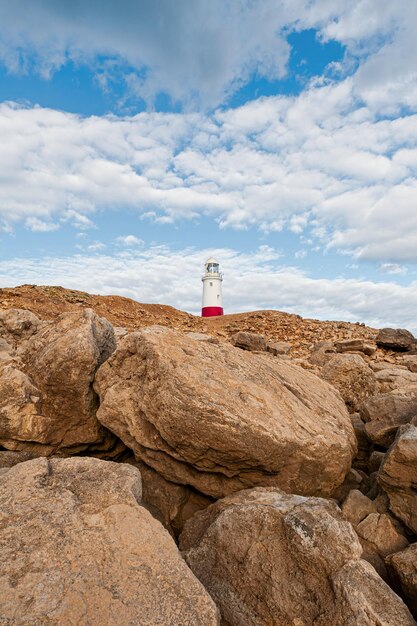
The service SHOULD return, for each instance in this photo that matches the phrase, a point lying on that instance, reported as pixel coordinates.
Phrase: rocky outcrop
(398, 476)
(385, 413)
(271, 558)
(249, 341)
(77, 548)
(18, 325)
(394, 377)
(352, 377)
(47, 401)
(221, 419)
(398, 339)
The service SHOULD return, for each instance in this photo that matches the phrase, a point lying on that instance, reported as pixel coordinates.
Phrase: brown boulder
(270, 558)
(47, 401)
(279, 348)
(398, 476)
(17, 325)
(394, 377)
(352, 377)
(249, 341)
(77, 548)
(398, 339)
(404, 567)
(222, 419)
(355, 345)
(384, 413)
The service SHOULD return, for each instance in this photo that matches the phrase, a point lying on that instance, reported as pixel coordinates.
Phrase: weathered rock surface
(395, 339)
(355, 345)
(404, 566)
(398, 476)
(17, 325)
(361, 459)
(77, 548)
(357, 507)
(249, 341)
(321, 352)
(394, 377)
(47, 401)
(222, 419)
(271, 558)
(384, 413)
(352, 377)
(278, 348)
(379, 537)
(169, 502)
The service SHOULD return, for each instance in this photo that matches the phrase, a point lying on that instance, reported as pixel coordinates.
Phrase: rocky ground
(156, 468)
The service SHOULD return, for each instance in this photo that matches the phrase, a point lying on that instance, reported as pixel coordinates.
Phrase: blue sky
(137, 139)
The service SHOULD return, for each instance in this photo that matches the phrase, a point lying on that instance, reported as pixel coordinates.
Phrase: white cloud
(129, 241)
(392, 268)
(321, 164)
(251, 281)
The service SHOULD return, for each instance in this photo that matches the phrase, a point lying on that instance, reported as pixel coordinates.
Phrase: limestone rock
(398, 476)
(321, 352)
(384, 413)
(221, 419)
(394, 377)
(77, 548)
(357, 507)
(398, 339)
(17, 325)
(379, 537)
(9, 458)
(279, 348)
(404, 566)
(410, 362)
(47, 401)
(270, 558)
(375, 461)
(355, 345)
(249, 341)
(352, 377)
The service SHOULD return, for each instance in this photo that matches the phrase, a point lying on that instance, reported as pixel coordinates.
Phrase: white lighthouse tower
(212, 289)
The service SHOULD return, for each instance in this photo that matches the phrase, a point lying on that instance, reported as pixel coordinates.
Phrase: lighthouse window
(213, 268)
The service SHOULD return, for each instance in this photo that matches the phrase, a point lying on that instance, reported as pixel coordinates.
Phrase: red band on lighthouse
(211, 311)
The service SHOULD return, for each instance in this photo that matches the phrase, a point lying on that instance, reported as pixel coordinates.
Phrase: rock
(10, 459)
(378, 366)
(361, 459)
(221, 419)
(404, 566)
(270, 558)
(47, 401)
(352, 377)
(384, 413)
(398, 476)
(375, 461)
(353, 480)
(379, 537)
(17, 325)
(5, 346)
(357, 507)
(278, 348)
(249, 341)
(394, 377)
(77, 548)
(202, 337)
(355, 345)
(410, 362)
(172, 504)
(321, 352)
(398, 339)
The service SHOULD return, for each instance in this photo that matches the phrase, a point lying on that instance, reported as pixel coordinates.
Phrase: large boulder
(352, 377)
(249, 341)
(398, 339)
(403, 566)
(398, 476)
(47, 401)
(77, 548)
(270, 558)
(394, 377)
(222, 419)
(385, 413)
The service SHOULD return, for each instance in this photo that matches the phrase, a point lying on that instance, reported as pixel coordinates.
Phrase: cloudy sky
(139, 137)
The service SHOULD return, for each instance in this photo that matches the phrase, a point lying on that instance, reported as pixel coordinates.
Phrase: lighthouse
(212, 289)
